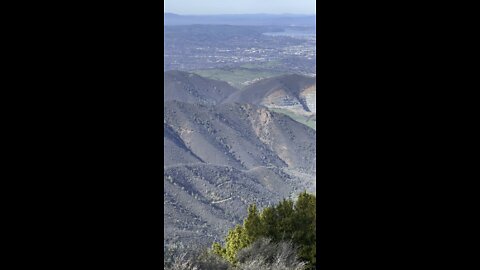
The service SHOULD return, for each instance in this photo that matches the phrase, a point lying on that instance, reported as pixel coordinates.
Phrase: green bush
(287, 221)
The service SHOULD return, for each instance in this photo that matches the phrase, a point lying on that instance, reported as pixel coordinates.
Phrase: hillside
(188, 87)
(293, 92)
(174, 149)
(202, 201)
(243, 136)
(238, 77)
(219, 159)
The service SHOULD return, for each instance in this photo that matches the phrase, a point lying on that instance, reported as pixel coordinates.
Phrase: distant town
(278, 49)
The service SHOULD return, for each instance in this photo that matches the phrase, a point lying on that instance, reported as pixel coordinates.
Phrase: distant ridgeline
(246, 19)
(293, 92)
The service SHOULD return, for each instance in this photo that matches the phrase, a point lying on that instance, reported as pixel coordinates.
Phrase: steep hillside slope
(243, 136)
(294, 92)
(202, 201)
(174, 149)
(189, 87)
(219, 159)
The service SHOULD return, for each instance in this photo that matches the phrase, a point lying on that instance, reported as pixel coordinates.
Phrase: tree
(252, 224)
(305, 224)
(288, 221)
(218, 249)
(285, 213)
(269, 223)
(236, 240)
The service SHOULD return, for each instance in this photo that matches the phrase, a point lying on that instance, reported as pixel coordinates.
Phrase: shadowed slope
(191, 88)
(286, 90)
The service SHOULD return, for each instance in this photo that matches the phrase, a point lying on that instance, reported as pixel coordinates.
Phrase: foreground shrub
(287, 221)
(181, 262)
(194, 260)
(264, 254)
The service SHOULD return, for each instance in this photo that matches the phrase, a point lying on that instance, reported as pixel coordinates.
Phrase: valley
(225, 149)
(205, 47)
(239, 120)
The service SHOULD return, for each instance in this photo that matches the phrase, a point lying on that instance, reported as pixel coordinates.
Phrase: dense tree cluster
(288, 221)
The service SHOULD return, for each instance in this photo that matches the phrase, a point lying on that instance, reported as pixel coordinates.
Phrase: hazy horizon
(222, 14)
(244, 7)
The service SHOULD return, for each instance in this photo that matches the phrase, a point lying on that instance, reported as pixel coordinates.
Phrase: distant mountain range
(241, 19)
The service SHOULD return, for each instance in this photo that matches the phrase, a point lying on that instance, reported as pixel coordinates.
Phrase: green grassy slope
(310, 121)
(237, 77)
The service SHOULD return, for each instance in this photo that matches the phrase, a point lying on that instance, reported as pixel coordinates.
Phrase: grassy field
(262, 65)
(310, 121)
(237, 77)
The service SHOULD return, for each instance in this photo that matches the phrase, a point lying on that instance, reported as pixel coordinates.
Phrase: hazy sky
(240, 6)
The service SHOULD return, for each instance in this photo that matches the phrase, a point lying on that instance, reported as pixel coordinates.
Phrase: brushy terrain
(261, 255)
(279, 237)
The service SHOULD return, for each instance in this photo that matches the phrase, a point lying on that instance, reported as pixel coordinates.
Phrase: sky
(203, 7)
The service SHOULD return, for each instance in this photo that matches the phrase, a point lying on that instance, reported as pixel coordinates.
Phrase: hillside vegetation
(224, 151)
(239, 77)
(287, 221)
(279, 237)
(219, 159)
